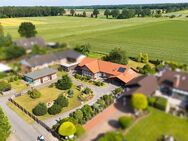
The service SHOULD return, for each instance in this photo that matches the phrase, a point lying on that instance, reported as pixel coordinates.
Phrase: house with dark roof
(28, 43)
(174, 86)
(98, 69)
(145, 84)
(68, 59)
(41, 76)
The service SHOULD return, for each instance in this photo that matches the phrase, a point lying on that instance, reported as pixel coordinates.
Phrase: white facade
(44, 80)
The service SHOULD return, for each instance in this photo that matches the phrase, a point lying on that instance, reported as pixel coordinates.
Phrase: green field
(156, 124)
(161, 38)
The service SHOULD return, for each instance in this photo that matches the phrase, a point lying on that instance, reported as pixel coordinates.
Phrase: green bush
(70, 93)
(161, 103)
(152, 100)
(77, 76)
(55, 109)
(118, 90)
(34, 94)
(139, 101)
(40, 109)
(62, 101)
(64, 83)
(67, 129)
(125, 121)
(79, 130)
(87, 91)
(4, 86)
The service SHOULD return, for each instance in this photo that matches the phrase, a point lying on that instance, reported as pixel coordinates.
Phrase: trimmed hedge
(55, 109)
(34, 94)
(158, 102)
(125, 121)
(40, 109)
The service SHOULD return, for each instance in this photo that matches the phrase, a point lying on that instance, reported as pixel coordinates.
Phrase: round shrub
(152, 100)
(62, 101)
(40, 109)
(79, 130)
(55, 109)
(65, 83)
(139, 101)
(125, 121)
(34, 94)
(67, 129)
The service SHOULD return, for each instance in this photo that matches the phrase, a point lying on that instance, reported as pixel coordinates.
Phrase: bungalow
(98, 69)
(41, 76)
(68, 59)
(28, 43)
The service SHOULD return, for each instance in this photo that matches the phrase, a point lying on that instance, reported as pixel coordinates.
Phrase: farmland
(161, 38)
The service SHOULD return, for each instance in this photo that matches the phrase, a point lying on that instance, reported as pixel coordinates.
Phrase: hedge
(161, 103)
(125, 121)
(40, 109)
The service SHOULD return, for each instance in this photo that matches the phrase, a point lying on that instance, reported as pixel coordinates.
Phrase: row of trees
(11, 12)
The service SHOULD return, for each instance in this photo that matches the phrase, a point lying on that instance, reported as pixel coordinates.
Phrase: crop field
(161, 38)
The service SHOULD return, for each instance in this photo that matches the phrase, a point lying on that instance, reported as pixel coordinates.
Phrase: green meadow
(161, 38)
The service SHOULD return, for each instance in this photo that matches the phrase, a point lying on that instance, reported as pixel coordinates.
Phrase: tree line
(36, 11)
(11, 12)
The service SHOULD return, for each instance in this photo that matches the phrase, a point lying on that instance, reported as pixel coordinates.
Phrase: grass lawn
(48, 95)
(156, 124)
(20, 113)
(161, 38)
(18, 86)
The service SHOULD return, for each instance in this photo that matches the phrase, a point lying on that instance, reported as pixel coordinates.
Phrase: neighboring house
(174, 86)
(98, 69)
(41, 76)
(146, 84)
(68, 59)
(28, 43)
(4, 68)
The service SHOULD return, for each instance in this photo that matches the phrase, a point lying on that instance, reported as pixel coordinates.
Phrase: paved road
(22, 130)
(98, 92)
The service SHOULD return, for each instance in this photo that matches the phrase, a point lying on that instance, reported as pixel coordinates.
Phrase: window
(121, 69)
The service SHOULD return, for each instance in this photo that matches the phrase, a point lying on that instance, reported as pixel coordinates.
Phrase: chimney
(177, 80)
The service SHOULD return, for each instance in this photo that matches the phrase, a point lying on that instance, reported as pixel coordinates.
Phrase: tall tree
(117, 56)
(96, 12)
(84, 14)
(107, 13)
(115, 13)
(72, 12)
(27, 29)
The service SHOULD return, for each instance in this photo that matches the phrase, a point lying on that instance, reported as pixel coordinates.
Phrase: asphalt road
(21, 130)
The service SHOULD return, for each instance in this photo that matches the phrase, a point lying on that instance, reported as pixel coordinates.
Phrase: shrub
(34, 94)
(152, 100)
(87, 91)
(4, 86)
(40, 109)
(125, 121)
(64, 83)
(118, 90)
(112, 136)
(55, 109)
(70, 93)
(79, 130)
(161, 103)
(67, 129)
(139, 101)
(62, 101)
(77, 76)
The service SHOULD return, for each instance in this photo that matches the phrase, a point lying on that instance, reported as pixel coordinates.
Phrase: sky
(80, 2)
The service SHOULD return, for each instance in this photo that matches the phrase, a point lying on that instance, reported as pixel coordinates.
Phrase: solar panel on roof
(121, 69)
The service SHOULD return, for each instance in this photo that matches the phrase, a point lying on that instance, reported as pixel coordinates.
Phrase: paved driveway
(98, 92)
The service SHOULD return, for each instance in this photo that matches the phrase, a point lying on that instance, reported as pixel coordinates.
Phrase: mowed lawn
(48, 95)
(156, 124)
(161, 38)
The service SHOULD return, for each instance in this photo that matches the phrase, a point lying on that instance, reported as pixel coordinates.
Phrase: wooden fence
(34, 117)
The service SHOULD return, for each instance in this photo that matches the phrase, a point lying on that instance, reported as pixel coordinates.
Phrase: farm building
(68, 59)
(41, 76)
(28, 43)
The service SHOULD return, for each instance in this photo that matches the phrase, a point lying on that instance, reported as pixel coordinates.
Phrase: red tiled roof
(95, 65)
